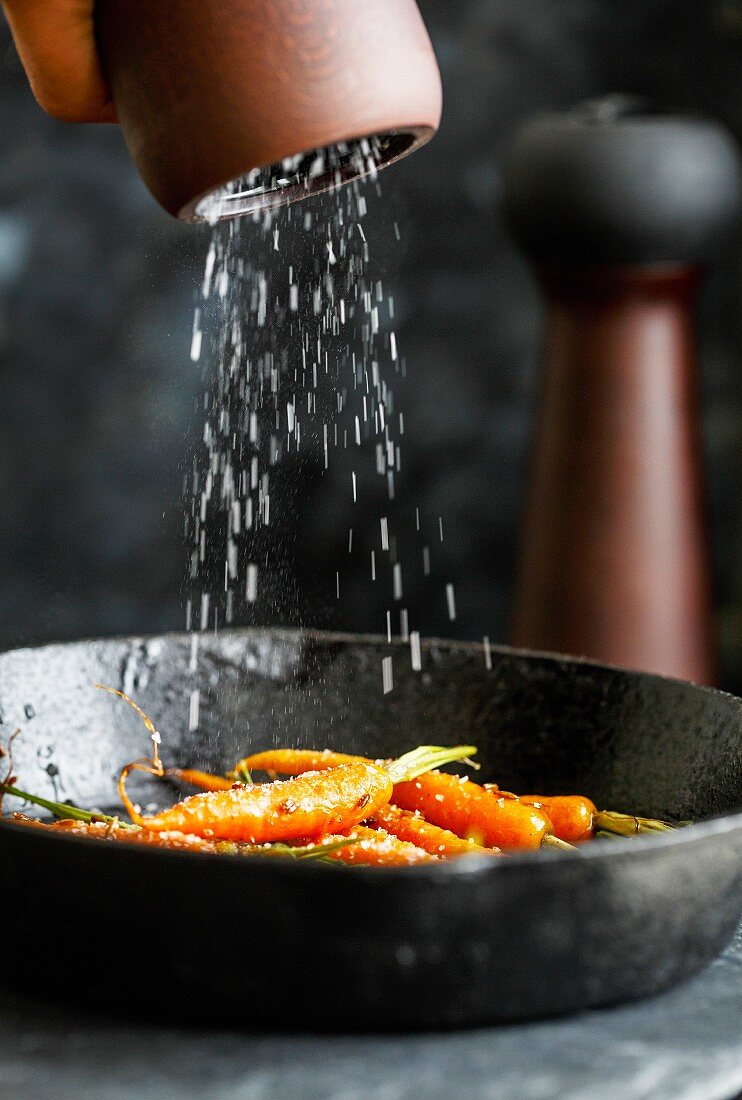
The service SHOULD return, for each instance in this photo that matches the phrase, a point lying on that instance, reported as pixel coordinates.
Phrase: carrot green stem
(426, 758)
(242, 774)
(551, 841)
(628, 825)
(59, 809)
(306, 851)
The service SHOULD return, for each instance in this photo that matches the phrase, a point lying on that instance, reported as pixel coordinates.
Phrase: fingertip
(68, 110)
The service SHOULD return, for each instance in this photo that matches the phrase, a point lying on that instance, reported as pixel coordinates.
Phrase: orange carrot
(570, 814)
(457, 805)
(470, 811)
(296, 761)
(574, 817)
(431, 838)
(205, 780)
(124, 834)
(377, 848)
(306, 806)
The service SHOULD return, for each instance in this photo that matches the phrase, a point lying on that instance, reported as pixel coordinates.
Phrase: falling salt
(415, 651)
(208, 270)
(397, 581)
(197, 337)
(251, 583)
(487, 654)
(193, 709)
(264, 394)
(451, 602)
(387, 677)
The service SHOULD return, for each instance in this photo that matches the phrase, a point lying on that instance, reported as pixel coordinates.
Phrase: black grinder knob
(614, 182)
(619, 208)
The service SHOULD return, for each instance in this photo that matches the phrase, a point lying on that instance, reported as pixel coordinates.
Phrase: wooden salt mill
(619, 209)
(231, 106)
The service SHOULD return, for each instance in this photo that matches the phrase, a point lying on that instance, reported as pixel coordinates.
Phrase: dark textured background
(96, 295)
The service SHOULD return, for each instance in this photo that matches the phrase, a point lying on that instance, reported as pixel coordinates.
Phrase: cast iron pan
(312, 946)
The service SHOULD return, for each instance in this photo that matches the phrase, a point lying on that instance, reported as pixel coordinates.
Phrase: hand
(55, 40)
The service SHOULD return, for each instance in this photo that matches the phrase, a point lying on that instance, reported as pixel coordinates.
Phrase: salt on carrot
(412, 827)
(571, 815)
(308, 805)
(467, 809)
(377, 848)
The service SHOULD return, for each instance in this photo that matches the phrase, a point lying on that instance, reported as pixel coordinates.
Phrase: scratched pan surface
(279, 944)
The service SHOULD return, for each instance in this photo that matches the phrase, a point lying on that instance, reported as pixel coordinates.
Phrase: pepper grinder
(619, 208)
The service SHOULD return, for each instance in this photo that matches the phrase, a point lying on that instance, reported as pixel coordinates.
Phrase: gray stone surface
(685, 1045)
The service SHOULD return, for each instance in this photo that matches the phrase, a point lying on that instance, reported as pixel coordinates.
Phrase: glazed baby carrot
(204, 780)
(306, 806)
(412, 827)
(314, 802)
(576, 818)
(377, 848)
(296, 761)
(489, 818)
(121, 833)
(571, 815)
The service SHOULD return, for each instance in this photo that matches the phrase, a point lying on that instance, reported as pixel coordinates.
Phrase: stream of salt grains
(299, 356)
